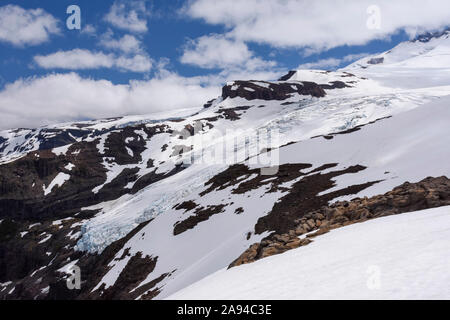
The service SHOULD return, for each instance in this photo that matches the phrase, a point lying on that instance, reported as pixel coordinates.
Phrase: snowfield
(411, 64)
(405, 256)
(407, 147)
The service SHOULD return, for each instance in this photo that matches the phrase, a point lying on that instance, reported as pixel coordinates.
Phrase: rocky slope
(409, 197)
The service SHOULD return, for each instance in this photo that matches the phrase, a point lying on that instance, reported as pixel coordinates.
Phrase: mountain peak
(427, 36)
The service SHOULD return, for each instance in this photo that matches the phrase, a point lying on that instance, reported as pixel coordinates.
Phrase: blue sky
(168, 32)
(184, 49)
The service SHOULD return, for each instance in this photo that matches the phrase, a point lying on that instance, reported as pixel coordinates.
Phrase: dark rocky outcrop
(376, 60)
(351, 130)
(287, 76)
(428, 193)
(32, 254)
(48, 138)
(22, 181)
(334, 85)
(251, 90)
(201, 214)
(427, 36)
(232, 113)
(304, 196)
(209, 103)
(136, 270)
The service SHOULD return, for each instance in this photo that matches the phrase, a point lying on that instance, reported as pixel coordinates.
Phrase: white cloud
(234, 58)
(318, 25)
(332, 63)
(68, 97)
(137, 63)
(78, 59)
(214, 51)
(246, 74)
(128, 15)
(321, 64)
(75, 59)
(22, 27)
(127, 44)
(88, 29)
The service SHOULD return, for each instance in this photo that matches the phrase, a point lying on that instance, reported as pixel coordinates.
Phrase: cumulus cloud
(68, 97)
(137, 63)
(78, 59)
(21, 27)
(321, 64)
(215, 51)
(234, 58)
(127, 43)
(332, 63)
(89, 29)
(266, 74)
(128, 15)
(319, 25)
(75, 59)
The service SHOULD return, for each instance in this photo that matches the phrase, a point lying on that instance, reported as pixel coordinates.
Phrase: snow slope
(398, 257)
(304, 118)
(407, 147)
(412, 64)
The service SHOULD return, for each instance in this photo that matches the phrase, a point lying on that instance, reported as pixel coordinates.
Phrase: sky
(128, 57)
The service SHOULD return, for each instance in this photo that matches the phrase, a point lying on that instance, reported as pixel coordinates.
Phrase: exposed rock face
(54, 138)
(20, 255)
(354, 129)
(23, 181)
(43, 139)
(334, 85)
(201, 214)
(376, 61)
(33, 248)
(31, 259)
(136, 270)
(428, 193)
(252, 90)
(426, 37)
(287, 76)
(304, 196)
(232, 113)
(209, 103)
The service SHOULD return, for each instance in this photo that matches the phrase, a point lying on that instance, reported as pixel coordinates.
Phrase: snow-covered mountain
(420, 63)
(149, 205)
